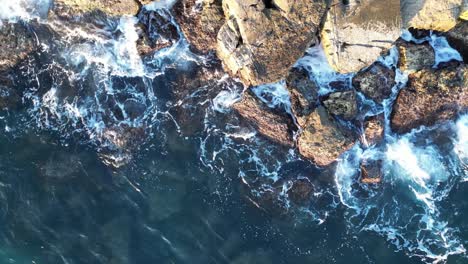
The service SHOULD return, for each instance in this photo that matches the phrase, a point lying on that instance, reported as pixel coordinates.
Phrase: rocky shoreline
(259, 42)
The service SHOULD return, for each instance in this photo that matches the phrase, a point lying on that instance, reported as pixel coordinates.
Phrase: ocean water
(109, 159)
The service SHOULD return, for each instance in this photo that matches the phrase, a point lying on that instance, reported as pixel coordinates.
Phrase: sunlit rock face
(355, 35)
(430, 14)
(414, 57)
(71, 8)
(262, 39)
(431, 96)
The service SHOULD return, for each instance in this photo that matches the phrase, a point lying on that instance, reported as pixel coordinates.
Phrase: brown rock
(371, 171)
(458, 38)
(275, 125)
(431, 96)
(342, 104)
(262, 39)
(300, 191)
(375, 82)
(303, 93)
(72, 8)
(373, 130)
(16, 43)
(200, 24)
(322, 140)
(354, 36)
(415, 57)
(430, 14)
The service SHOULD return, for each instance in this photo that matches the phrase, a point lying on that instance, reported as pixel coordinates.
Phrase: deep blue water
(111, 158)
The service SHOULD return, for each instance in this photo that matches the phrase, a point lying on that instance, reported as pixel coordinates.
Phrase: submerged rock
(373, 130)
(200, 22)
(375, 82)
(430, 14)
(323, 140)
(458, 38)
(157, 31)
(273, 124)
(300, 191)
(431, 96)
(72, 8)
(354, 36)
(262, 39)
(342, 104)
(303, 94)
(17, 41)
(415, 57)
(371, 171)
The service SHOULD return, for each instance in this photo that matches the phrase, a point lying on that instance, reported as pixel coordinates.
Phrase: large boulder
(375, 82)
(272, 123)
(354, 36)
(431, 96)
(458, 38)
(373, 130)
(415, 57)
(72, 8)
(200, 23)
(323, 140)
(303, 93)
(262, 39)
(17, 41)
(430, 14)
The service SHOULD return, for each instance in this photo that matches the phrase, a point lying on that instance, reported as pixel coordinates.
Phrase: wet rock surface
(415, 57)
(431, 96)
(260, 42)
(371, 171)
(342, 104)
(157, 31)
(272, 123)
(200, 22)
(303, 94)
(373, 130)
(17, 41)
(323, 140)
(458, 38)
(356, 34)
(375, 82)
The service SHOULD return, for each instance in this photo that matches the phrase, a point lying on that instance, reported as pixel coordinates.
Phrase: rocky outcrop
(17, 41)
(71, 8)
(275, 125)
(415, 57)
(157, 31)
(373, 130)
(303, 94)
(200, 24)
(354, 36)
(323, 140)
(342, 104)
(262, 39)
(371, 171)
(375, 82)
(430, 14)
(458, 38)
(431, 96)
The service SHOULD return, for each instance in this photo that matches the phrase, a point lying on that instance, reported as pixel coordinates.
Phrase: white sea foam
(275, 95)
(14, 10)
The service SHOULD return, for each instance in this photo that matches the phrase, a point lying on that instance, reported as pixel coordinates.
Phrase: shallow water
(182, 187)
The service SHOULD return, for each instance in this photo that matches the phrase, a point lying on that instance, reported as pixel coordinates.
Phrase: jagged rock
(9, 96)
(303, 93)
(373, 130)
(375, 82)
(200, 24)
(430, 14)
(300, 191)
(157, 31)
(458, 38)
(17, 41)
(262, 39)
(431, 96)
(342, 104)
(275, 125)
(415, 57)
(371, 171)
(323, 140)
(354, 36)
(72, 8)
